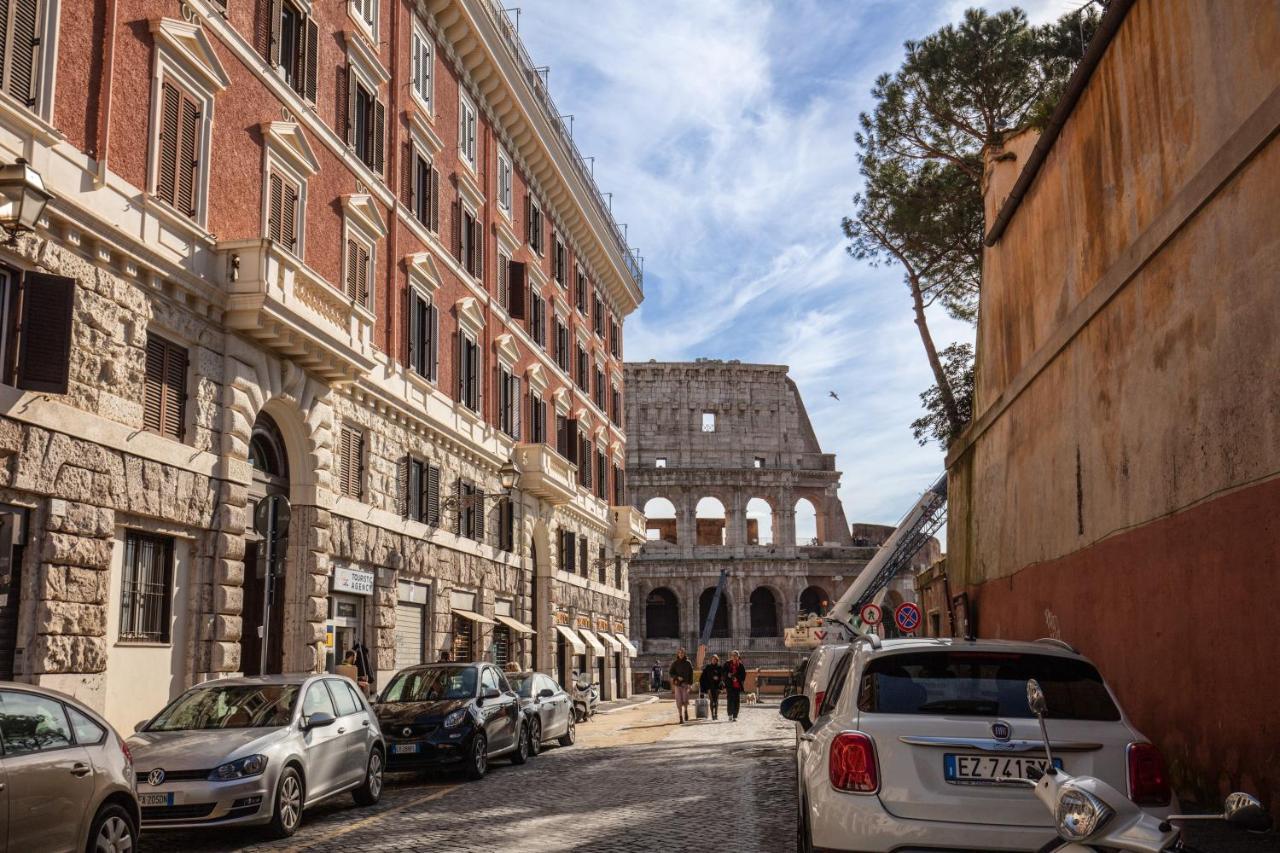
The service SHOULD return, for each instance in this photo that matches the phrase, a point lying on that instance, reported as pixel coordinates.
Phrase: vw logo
(155, 777)
(408, 732)
(1000, 730)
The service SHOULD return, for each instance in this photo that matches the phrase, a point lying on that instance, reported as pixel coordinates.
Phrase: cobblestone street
(633, 782)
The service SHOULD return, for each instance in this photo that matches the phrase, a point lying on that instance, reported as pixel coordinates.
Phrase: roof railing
(538, 84)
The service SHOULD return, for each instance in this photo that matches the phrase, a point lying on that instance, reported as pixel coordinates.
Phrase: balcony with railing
(546, 474)
(628, 526)
(276, 299)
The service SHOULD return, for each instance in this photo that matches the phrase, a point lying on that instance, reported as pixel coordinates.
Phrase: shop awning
(611, 641)
(514, 624)
(473, 616)
(592, 640)
(571, 637)
(627, 644)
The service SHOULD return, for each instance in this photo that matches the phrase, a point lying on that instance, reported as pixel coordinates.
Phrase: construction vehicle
(842, 622)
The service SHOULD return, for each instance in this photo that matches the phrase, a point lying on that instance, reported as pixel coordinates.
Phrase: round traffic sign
(871, 614)
(907, 617)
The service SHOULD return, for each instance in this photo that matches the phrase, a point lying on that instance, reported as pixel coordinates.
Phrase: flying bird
(833, 395)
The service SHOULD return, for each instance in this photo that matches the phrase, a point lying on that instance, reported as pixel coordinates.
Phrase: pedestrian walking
(681, 673)
(655, 677)
(711, 682)
(735, 680)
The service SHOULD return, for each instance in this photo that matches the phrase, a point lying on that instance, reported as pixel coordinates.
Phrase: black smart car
(445, 714)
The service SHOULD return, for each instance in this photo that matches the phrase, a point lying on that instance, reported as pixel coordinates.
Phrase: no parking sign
(907, 617)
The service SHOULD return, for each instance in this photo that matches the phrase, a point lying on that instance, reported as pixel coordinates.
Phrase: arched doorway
(814, 600)
(764, 612)
(662, 615)
(720, 627)
(262, 615)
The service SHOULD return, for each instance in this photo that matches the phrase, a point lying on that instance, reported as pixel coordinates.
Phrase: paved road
(633, 782)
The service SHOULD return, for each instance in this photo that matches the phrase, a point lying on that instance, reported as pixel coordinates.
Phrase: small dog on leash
(752, 698)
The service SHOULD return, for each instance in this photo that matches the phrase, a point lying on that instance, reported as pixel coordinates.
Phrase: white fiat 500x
(917, 741)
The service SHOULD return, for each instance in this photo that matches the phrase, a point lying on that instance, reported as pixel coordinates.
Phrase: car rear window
(977, 683)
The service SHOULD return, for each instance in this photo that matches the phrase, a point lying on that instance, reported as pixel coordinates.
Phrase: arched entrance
(262, 616)
(814, 601)
(661, 615)
(764, 612)
(720, 627)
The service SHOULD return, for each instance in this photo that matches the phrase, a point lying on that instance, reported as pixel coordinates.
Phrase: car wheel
(288, 810)
(535, 736)
(570, 734)
(478, 758)
(371, 791)
(113, 831)
(521, 753)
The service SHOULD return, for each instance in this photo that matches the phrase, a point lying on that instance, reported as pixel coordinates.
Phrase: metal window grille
(462, 639)
(146, 588)
(501, 645)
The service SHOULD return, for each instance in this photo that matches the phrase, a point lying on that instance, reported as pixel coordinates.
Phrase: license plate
(406, 748)
(155, 799)
(961, 769)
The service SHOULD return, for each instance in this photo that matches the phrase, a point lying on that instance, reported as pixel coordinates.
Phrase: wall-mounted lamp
(22, 198)
(508, 477)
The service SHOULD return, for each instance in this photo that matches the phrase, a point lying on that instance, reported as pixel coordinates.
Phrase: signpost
(271, 520)
(870, 614)
(907, 617)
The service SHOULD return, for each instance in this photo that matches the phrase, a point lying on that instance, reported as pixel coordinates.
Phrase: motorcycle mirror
(1035, 698)
(1244, 811)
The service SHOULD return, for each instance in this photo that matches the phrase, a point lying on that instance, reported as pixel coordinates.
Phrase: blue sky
(724, 130)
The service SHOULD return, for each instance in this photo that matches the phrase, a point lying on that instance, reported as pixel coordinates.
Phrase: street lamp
(22, 198)
(508, 476)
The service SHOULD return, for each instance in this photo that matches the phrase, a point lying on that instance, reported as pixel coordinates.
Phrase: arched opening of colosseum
(806, 522)
(759, 522)
(660, 520)
(720, 627)
(764, 612)
(662, 615)
(814, 600)
(710, 518)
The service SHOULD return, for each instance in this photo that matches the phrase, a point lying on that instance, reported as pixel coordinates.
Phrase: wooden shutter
(459, 509)
(342, 110)
(289, 226)
(435, 201)
(415, 332)
(352, 467)
(584, 463)
(275, 205)
(433, 330)
(167, 160)
(457, 231)
(274, 52)
(473, 375)
(504, 282)
(515, 398)
(478, 515)
(379, 119)
(433, 495)
(44, 333)
(409, 179)
(311, 60)
(528, 218)
(516, 289)
(571, 438)
(264, 22)
(188, 156)
(477, 243)
(21, 20)
(403, 493)
(353, 258)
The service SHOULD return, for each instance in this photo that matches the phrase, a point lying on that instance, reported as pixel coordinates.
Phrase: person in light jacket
(681, 673)
(711, 682)
(735, 681)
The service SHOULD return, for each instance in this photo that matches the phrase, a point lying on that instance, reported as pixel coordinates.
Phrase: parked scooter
(585, 697)
(1092, 816)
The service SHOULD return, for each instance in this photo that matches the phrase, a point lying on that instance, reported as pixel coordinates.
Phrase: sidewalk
(630, 702)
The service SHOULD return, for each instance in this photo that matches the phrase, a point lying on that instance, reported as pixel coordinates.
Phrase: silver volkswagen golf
(254, 751)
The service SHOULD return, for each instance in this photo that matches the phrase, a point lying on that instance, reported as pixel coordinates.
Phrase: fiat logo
(1001, 731)
(407, 731)
(155, 777)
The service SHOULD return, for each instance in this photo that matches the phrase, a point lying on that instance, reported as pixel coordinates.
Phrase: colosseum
(723, 460)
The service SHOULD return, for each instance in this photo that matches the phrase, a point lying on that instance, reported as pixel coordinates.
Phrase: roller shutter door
(409, 619)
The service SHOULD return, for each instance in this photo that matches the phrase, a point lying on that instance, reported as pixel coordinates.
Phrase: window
(422, 188)
(366, 12)
(617, 486)
(507, 526)
(615, 337)
(178, 147)
(87, 731)
(366, 119)
(509, 403)
(567, 438)
(31, 723)
(599, 389)
(359, 270)
(420, 488)
(504, 183)
(758, 462)
(342, 698)
(660, 462)
(469, 242)
(462, 638)
(469, 499)
(423, 65)
(615, 406)
(568, 552)
(584, 463)
(35, 330)
(468, 372)
(581, 294)
(146, 588)
(534, 224)
(560, 263)
(582, 557)
(23, 23)
(537, 419)
(602, 565)
(617, 572)
(501, 645)
(538, 319)
(597, 307)
(467, 130)
(708, 421)
(283, 198)
(351, 462)
(424, 331)
(165, 397)
(562, 346)
(602, 479)
(318, 701)
(293, 48)
(584, 370)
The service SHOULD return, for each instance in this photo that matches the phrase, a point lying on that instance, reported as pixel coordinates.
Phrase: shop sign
(583, 622)
(328, 635)
(602, 624)
(619, 628)
(561, 617)
(346, 579)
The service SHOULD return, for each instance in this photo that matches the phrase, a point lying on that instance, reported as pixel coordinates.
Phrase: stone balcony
(628, 527)
(546, 474)
(279, 301)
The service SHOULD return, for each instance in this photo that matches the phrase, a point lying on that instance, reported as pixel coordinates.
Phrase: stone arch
(761, 522)
(719, 628)
(661, 520)
(806, 522)
(814, 600)
(662, 614)
(710, 520)
(765, 615)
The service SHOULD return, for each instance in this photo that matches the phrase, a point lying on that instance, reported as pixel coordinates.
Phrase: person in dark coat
(735, 681)
(681, 673)
(711, 682)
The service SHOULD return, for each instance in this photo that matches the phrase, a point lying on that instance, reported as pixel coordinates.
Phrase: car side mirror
(546, 693)
(490, 693)
(796, 709)
(1246, 812)
(1035, 698)
(140, 725)
(317, 720)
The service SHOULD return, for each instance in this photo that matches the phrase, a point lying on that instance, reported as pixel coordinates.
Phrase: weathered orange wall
(1126, 496)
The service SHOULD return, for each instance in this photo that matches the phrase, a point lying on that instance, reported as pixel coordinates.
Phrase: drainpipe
(104, 93)
(393, 260)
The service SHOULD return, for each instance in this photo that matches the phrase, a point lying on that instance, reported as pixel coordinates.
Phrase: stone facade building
(722, 458)
(342, 253)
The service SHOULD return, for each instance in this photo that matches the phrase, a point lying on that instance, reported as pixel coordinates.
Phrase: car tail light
(817, 702)
(852, 764)
(128, 756)
(1148, 781)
